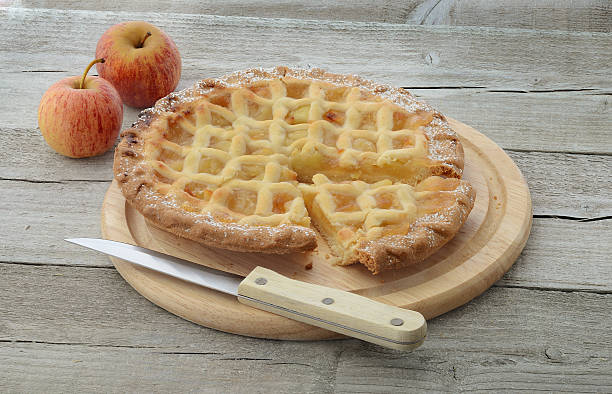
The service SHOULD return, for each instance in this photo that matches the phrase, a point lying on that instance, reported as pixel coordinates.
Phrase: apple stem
(101, 60)
(144, 39)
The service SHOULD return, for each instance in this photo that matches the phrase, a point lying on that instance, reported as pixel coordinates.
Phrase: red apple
(142, 62)
(81, 116)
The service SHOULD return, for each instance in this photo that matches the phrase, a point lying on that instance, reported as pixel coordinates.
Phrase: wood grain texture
(570, 15)
(38, 216)
(91, 331)
(531, 121)
(574, 184)
(75, 327)
(566, 255)
(392, 11)
(434, 57)
(422, 55)
(528, 104)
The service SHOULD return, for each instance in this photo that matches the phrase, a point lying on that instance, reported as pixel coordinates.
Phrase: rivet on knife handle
(336, 310)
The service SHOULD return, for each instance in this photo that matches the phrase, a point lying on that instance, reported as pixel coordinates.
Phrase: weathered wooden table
(535, 76)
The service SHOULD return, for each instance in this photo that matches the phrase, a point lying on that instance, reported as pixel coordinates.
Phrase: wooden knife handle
(336, 310)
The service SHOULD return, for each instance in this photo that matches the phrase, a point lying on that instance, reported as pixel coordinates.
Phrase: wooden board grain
(570, 15)
(479, 255)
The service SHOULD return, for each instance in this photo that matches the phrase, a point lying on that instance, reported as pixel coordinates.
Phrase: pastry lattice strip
(220, 149)
(366, 208)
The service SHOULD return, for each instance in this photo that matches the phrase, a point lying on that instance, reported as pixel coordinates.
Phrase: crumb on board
(308, 266)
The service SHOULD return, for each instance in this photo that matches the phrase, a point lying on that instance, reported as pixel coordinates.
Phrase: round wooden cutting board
(484, 249)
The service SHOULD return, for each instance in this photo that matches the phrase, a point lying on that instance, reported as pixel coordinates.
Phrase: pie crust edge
(426, 236)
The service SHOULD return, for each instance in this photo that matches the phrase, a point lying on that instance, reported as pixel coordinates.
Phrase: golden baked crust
(443, 205)
(376, 131)
(385, 224)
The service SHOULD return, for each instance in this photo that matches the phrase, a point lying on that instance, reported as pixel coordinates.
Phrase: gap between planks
(499, 284)
(564, 15)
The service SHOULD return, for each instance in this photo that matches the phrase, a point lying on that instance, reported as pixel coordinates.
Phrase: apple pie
(257, 160)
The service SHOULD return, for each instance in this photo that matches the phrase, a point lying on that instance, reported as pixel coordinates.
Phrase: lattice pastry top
(221, 163)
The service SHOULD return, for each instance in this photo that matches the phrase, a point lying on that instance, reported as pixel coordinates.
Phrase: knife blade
(335, 310)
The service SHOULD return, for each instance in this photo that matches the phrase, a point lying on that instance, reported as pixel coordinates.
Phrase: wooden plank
(397, 54)
(567, 185)
(91, 331)
(563, 254)
(38, 162)
(60, 367)
(570, 15)
(392, 11)
(543, 121)
(38, 216)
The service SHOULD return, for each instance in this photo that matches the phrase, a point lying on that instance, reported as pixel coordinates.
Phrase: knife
(332, 309)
